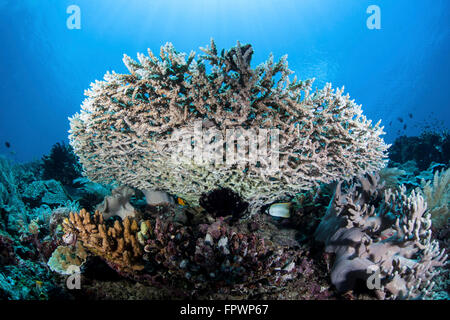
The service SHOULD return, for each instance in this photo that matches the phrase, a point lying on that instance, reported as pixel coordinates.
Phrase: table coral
(126, 129)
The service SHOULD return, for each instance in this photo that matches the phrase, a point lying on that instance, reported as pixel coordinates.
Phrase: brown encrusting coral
(128, 129)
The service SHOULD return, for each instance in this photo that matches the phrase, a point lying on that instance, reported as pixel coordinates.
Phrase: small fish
(404, 127)
(400, 119)
(386, 234)
(181, 201)
(410, 115)
(390, 123)
(280, 210)
(7, 144)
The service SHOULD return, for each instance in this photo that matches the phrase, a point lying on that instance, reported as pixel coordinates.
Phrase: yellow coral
(117, 244)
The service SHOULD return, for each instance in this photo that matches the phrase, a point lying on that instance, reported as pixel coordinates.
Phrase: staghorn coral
(118, 244)
(437, 196)
(126, 130)
(369, 228)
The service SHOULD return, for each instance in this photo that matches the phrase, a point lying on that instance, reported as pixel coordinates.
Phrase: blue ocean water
(398, 71)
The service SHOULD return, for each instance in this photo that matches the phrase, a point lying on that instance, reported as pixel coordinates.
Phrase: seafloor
(190, 252)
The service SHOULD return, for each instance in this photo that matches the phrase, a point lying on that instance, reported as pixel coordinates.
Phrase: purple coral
(216, 255)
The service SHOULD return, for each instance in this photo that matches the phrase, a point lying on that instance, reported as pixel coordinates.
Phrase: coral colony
(124, 132)
(201, 177)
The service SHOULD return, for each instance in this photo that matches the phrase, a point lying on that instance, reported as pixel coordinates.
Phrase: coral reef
(23, 274)
(126, 131)
(11, 206)
(219, 256)
(177, 251)
(433, 184)
(370, 228)
(424, 149)
(158, 132)
(50, 192)
(27, 280)
(191, 260)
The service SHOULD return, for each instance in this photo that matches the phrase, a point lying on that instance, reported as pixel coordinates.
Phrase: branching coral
(117, 244)
(126, 129)
(369, 229)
